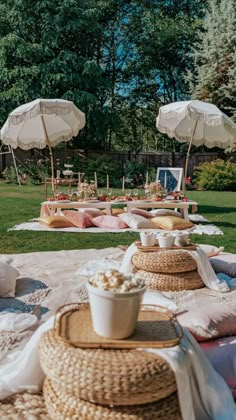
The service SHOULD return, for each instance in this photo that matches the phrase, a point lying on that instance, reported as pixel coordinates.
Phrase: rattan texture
(60, 406)
(172, 281)
(24, 406)
(118, 377)
(168, 261)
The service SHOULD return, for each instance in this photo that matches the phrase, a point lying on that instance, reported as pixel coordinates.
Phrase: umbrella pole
(188, 154)
(50, 152)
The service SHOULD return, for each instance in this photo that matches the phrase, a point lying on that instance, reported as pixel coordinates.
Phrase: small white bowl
(166, 241)
(114, 314)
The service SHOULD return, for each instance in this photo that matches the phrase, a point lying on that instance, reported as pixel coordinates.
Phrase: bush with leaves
(218, 175)
(134, 173)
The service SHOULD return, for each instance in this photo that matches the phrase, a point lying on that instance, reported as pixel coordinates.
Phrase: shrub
(134, 173)
(218, 175)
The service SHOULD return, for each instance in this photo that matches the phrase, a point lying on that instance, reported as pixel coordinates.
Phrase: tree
(214, 54)
(50, 49)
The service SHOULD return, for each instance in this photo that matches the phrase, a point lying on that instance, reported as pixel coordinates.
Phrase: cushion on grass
(211, 250)
(165, 212)
(225, 263)
(8, 276)
(56, 222)
(92, 212)
(171, 222)
(80, 220)
(116, 212)
(142, 212)
(212, 321)
(134, 221)
(110, 222)
(222, 355)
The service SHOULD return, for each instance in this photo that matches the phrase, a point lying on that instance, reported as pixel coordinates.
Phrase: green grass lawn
(19, 204)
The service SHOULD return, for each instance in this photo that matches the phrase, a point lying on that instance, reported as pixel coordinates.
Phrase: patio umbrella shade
(41, 123)
(198, 123)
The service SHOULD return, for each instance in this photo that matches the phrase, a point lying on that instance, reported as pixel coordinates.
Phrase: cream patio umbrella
(196, 122)
(41, 123)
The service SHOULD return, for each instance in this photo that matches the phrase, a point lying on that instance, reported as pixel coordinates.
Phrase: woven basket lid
(22, 406)
(61, 406)
(118, 377)
(168, 261)
(172, 281)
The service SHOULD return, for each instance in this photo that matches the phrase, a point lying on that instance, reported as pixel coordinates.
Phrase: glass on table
(135, 192)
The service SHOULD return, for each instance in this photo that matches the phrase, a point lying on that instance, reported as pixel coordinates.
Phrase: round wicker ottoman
(117, 377)
(169, 261)
(60, 406)
(172, 281)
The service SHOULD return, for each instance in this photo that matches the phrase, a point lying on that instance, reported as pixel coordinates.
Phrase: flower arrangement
(155, 189)
(87, 189)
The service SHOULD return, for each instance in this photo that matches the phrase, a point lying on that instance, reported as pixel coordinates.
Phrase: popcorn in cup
(148, 238)
(115, 300)
(166, 240)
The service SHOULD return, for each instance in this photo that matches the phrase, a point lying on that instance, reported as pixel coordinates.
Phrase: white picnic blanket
(202, 392)
(204, 268)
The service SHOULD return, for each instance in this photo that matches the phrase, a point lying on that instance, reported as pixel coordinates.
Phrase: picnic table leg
(184, 213)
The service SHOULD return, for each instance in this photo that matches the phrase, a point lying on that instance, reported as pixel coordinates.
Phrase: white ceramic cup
(181, 239)
(148, 238)
(166, 241)
(114, 315)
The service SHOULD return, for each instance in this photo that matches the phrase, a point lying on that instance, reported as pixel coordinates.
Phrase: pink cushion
(110, 222)
(92, 212)
(78, 219)
(211, 321)
(142, 212)
(222, 355)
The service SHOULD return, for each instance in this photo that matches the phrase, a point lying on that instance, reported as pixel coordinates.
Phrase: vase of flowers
(155, 190)
(87, 190)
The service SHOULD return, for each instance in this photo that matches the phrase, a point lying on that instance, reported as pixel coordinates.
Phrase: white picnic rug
(199, 229)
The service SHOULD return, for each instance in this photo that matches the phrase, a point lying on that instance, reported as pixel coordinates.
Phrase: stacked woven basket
(106, 384)
(168, 270)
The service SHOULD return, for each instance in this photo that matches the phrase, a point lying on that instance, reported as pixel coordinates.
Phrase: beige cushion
(134, 221)
(165, 212)
(80, 220)
(56, 222)
(171, 222)
(8, 276)
(211, 321)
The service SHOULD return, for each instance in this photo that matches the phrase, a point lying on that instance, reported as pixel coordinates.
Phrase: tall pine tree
(214, 76)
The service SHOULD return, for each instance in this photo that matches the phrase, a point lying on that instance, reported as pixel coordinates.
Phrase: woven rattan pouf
(172, 281)
(117, 377)
(168, 270)
(169, 261)
(60, 406)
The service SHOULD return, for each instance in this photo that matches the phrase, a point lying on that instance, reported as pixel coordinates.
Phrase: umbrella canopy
(198, 123)
(213, 129)
(41, 123)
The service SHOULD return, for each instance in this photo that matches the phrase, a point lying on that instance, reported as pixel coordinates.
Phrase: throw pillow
(211, 321)
(134, 221)
(225, 263)
(8, 276)
(92, 212)
(142, 212)
(110, 222)
(80, 220)
(165, 212)
(56, 222)
(116, 212)
(171, 222)
(211, 250)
